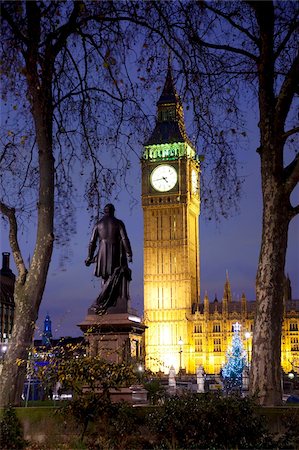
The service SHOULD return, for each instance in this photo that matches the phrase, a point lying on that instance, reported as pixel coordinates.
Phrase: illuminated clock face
(164, 178)
(194, 181)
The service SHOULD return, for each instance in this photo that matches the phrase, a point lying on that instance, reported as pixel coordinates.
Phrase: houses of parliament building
(182, 331)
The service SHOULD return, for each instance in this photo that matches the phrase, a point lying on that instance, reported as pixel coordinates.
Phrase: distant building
(45, 352)
(74, 345)
(47, 333)
(211, 330)
(182, 331)
(7, 305)
(47, 344)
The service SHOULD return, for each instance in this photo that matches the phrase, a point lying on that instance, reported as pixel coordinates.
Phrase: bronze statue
(114, 253)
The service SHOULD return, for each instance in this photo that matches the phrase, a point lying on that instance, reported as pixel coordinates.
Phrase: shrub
(209, 421)
(88, 408)
(290, 438)
(156, 391)
(11, 432)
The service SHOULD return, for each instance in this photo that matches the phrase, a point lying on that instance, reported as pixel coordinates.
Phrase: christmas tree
(236, 361)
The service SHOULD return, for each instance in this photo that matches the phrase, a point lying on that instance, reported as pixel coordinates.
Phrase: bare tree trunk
(14, 368)
(28, 293)
(29, 288)
(27, 299)
(265, 382)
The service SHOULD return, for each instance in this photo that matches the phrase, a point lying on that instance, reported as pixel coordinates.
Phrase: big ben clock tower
(170, 201)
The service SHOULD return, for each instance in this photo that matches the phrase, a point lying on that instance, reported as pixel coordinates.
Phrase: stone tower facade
(171, 202)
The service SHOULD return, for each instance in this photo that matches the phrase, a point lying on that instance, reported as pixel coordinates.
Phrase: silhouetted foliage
(209, 421)
(11, 431)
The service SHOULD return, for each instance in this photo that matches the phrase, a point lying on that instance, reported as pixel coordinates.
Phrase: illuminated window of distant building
(217, 345)
(293, 326)
(198, 345)
(197, 329)
(294, 344)
(216, 328)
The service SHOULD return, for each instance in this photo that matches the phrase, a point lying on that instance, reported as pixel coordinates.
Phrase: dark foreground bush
(209, 421)
(187, 422)
(290, 422)
(125, 428)
(11, 432)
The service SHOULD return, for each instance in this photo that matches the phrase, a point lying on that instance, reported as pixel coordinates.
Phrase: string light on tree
(236, 361)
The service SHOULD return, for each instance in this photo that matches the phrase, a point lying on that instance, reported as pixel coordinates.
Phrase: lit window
(198, 345)
(197, 329)
(294, 345)
(216, 328)
(217, 345)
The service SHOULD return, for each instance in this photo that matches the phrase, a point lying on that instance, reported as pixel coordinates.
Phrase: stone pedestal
(116, 336)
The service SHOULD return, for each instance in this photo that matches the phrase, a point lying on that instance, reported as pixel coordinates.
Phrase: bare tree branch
(287, 91)
(294, 211)
(291, 174)
(227, 17)
(197, 40)
(62, 33)
(292, 27)
(288, 133)
(12, 23)
(13, 240)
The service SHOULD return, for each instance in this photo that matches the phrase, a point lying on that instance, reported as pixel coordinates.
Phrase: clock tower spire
(170, 201)
(170, 123)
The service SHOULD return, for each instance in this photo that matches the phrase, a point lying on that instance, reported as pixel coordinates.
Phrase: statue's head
(109, 210)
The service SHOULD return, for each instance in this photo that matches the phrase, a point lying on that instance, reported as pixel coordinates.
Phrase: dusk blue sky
(231, 245)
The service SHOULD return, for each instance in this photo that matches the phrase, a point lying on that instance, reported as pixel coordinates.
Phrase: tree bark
(15, 363)
(266, 356)
(28, 294)
(265, 380)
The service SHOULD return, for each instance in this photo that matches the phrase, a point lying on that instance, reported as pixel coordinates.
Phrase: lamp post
(247, 335)
(140, 372)
(180, 353)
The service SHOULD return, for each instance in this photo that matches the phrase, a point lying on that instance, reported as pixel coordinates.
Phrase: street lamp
(247, 335)
(180, 353)
(3, 351)
(140, 372)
